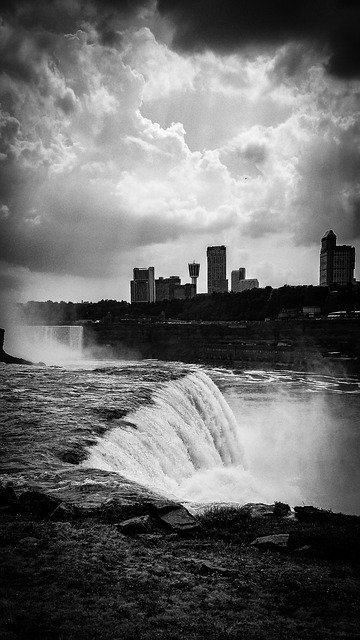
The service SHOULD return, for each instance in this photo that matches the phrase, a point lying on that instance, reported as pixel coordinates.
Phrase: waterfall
(185, 443)
(50, 344)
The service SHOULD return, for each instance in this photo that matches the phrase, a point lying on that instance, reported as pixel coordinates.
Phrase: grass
(83, 580)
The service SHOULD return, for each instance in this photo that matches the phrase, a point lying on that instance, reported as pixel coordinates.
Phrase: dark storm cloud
(328, 186)
(61, 16)
(228, 25)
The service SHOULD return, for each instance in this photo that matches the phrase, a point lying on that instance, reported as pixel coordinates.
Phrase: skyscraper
(240, 283)
(142, 287)
(337, 262)
(216, 263)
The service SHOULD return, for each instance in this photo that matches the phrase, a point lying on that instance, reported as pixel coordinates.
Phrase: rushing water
(197, 434)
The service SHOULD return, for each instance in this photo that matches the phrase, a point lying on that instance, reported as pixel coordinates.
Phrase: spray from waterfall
(49, 344)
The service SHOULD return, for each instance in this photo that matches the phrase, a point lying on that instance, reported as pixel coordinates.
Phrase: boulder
(135, 526)
(174, 517)
(205, 567)
(277, 542)
(28, 543)
(257, 509)
(39, 504)
(281, 509)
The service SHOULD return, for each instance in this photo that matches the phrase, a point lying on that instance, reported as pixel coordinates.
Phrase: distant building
(285, 314)
(240, 283)
(164, 288)
(194, 270)
(216, 265)
(172, 289)
(311, 311)
(248, 283)
(142, 287)
(337, 262)
(184, 291)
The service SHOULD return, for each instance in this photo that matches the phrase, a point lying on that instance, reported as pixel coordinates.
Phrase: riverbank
(82, 578)
(309, 345)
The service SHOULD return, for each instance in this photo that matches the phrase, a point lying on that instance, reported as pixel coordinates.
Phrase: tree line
(254, 304)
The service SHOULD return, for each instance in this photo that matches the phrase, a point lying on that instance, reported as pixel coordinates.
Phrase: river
(189, 432)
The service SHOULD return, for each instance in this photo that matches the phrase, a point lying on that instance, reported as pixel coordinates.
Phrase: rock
(73, 456)
(28, 545)
(134, 526)
(257, 510)
(29, 541)
(312, 514)
(204, 567)
(277, 541)
(174, 517)
(281, 509)
(39, 504)
(305, 549)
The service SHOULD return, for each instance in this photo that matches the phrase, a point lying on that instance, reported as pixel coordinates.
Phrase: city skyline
(336, 266)
(141, 133)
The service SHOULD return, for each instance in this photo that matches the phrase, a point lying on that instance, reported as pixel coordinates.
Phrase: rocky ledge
(306, 529)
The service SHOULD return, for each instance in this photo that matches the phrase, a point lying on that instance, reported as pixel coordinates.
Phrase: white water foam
(185, 444)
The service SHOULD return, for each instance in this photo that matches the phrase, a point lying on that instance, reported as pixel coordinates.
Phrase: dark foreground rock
(279, 542)
(174, 517)
(135, 526)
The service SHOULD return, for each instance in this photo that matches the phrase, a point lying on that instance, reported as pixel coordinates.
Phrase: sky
(137, 133)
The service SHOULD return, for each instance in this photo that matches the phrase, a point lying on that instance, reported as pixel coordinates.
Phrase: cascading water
(184, 444)
(50, 344)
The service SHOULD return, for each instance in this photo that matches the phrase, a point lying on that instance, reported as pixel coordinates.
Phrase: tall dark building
(337, 262)
(216, 264)
(142, 287)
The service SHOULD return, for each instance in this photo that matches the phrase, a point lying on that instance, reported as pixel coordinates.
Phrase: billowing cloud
(118, 148)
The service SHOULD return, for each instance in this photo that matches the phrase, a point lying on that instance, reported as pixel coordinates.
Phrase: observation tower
(194, 270)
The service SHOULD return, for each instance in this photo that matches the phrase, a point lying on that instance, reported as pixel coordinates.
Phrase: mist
(302, 445)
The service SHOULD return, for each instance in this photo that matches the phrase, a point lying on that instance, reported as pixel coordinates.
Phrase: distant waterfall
(51, 344)
(68, 335)
(185, 444)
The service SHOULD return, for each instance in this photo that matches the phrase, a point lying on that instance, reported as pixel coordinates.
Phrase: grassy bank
(84, 579)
